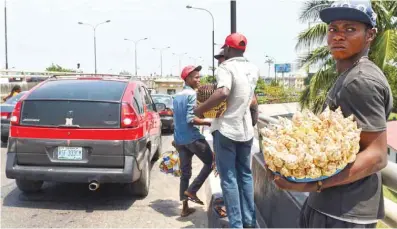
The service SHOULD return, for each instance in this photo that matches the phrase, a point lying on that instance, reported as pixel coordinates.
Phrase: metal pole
(136, 61)
(233, 16)
(213, 35)
(5, 33)
(213, 50)
(95, 50)
(180, 68)
(161, 63)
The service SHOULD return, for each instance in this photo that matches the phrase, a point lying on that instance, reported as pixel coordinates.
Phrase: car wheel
(157, 154)
(141, 186)
(29, 186)
(4, 139)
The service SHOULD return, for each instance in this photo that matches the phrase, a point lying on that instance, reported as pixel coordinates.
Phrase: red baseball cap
(189, 69)
(236, 40)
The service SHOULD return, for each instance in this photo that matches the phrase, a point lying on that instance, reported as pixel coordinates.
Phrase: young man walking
(188, 139)
(233, 132)
(353, 198)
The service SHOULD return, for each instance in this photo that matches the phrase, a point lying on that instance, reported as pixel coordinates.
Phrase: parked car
(167, 115)
(6, 110)
(84, 130)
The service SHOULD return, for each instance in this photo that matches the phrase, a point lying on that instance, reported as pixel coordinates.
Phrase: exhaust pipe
(93, 185)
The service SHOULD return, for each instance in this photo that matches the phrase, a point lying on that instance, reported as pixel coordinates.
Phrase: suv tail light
(167, 112)
(16, 114)
(129, 119)
(5, 115)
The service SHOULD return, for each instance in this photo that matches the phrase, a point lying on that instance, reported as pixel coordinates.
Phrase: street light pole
(271, 60)
(233, 16)
(213, 35)
(94, 29)
(5, 32)
(136, 55)
(180, 55)
(161, 58)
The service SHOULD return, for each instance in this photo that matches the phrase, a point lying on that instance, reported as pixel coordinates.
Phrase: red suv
(85, 130)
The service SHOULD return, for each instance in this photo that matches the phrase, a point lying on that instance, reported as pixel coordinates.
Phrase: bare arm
(254, 110)
(200, 122)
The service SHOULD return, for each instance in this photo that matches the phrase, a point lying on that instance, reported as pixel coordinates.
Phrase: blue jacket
(184, 103)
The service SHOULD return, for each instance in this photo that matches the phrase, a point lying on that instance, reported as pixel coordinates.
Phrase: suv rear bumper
(128, 174)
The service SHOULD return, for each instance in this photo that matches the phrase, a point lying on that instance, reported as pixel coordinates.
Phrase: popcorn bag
(170, 163)
(311, 148)
(203, 93)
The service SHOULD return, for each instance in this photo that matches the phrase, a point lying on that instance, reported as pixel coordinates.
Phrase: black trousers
(310, 218)
(202, 150)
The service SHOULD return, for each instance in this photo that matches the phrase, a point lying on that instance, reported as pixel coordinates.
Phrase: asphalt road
(73, 205)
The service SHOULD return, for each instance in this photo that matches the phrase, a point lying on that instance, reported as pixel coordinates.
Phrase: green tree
(125, 73)
(260, 85)
(207, 79)
(383, 49)
(57, 68)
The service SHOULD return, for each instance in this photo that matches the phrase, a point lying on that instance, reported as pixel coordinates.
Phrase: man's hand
(201, 122)
(284, 184)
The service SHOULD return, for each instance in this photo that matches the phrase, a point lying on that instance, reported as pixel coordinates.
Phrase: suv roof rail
(73, 75)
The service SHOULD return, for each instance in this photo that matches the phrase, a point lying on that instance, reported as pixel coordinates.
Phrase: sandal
(220, 210)
(193, 198)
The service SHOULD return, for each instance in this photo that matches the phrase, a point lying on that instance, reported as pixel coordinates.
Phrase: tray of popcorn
(203, 93)
(310, 148)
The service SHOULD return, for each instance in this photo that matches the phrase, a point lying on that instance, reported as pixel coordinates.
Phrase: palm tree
(383, 50)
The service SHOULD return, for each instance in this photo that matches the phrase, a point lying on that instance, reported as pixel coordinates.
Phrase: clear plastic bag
(170, 163)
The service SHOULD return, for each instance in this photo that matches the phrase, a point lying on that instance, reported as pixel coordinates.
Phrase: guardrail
(274, 204)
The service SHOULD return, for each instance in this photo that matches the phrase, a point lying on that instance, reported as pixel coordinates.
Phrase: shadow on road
(167, 132)
(71, 196)
(171, 208)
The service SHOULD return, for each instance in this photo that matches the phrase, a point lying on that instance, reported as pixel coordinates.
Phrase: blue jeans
(233, 164)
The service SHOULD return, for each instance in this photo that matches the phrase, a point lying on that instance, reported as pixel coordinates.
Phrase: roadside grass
(391, 196)
(393, 116)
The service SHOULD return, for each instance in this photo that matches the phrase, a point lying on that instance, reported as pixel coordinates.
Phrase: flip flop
(192, 198)
(195, 200)
(189, 212)
(220, 210)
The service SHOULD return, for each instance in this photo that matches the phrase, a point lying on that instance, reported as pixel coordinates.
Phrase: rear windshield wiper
(69, 126)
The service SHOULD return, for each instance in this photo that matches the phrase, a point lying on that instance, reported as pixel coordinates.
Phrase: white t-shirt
(240, 77)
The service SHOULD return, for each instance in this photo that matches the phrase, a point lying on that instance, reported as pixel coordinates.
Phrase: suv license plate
(70, 153)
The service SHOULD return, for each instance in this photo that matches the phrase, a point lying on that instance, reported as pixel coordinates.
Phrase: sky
(41, 32)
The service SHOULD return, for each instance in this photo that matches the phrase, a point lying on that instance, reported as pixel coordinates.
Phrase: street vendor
(234, 132)
(353, 198)
(188, 140)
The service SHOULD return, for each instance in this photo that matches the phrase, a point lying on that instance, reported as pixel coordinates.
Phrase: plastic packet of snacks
(170, 163)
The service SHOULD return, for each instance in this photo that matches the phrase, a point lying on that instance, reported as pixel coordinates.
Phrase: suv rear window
(61, 113)
(92, 90)
(74, 103)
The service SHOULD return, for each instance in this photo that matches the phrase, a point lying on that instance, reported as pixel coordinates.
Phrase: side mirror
(160, 107)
